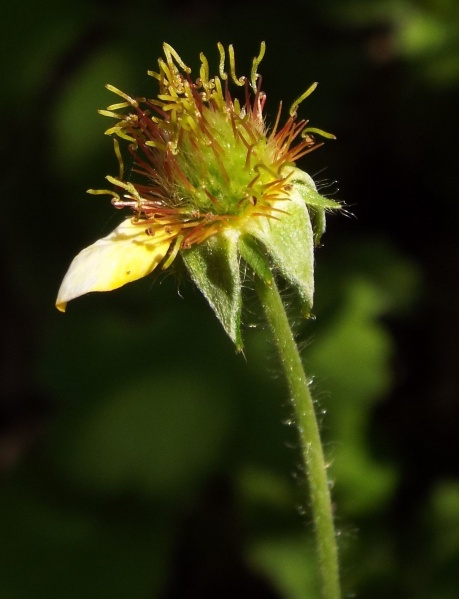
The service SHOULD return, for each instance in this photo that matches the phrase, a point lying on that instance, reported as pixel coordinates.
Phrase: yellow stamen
(119, 156)
(118, 106)
(120, 132)
(170, 52)
(156, 144)
(320, 132)
(129, 187)
(154, 74)
(174, 252)
(237, 81)
(217, 95)
(256, 62)
(221, 66)
(204, 70)
(165, 73)
(118, 92)
(99, 192)
(298, 101)
(110, 113)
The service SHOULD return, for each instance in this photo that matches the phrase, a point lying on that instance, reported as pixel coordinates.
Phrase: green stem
(319, 492)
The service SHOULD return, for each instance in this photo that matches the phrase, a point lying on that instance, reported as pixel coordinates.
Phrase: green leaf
(214, 267)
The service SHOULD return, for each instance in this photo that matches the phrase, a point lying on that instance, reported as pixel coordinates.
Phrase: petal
(127, 254)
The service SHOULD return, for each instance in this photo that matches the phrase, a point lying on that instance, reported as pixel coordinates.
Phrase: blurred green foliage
(140, 456)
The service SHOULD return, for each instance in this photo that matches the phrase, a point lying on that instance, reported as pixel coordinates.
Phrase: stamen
(204, 70)
(112, 114)
(318, 132)
(119, 131)
(237, 81)
(169, 52)
(154, 74)
(265, 214)
(276, 122)
(200, 232)
(129, 187)
(211, 197)
(166, 74)
(221, 67)
(120, 158)
(256, 61)
(148, 169)
(118, 92)
(156, 144)
(118, 106)
(99, 192)
(217, 96)
(124, 204)
(250, 130)
(298, 101)
(248, 157)
(300, 151)
(174, 252)
(266, 168)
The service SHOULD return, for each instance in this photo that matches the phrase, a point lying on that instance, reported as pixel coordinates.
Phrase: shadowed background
(140, 456)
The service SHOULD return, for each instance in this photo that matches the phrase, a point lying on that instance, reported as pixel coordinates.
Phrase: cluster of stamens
(203, 160)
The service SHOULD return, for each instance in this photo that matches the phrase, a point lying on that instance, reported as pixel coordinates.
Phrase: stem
(311, 446)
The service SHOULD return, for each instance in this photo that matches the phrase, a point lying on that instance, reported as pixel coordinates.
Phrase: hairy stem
(311, 446)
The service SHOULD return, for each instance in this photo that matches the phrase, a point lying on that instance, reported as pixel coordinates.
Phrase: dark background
(140, 456)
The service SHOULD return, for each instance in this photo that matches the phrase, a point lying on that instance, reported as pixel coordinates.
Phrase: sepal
(214, 267)
(289, 242)
(317, 204)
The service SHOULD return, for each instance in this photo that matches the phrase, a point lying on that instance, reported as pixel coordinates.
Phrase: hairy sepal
(317, 204)
(289, 241)
(214, 268)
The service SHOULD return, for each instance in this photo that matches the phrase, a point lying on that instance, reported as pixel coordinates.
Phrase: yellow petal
(127, 254)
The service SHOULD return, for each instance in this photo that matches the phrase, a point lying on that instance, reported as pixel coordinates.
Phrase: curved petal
(125, 255)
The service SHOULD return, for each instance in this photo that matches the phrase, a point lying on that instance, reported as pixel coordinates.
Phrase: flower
(209, 182)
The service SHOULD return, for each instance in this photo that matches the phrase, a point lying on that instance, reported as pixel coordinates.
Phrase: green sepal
(317, 204)
(289, 242)
(214, 267)
(252, 253)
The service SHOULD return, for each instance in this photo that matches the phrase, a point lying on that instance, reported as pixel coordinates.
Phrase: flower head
(209, 182)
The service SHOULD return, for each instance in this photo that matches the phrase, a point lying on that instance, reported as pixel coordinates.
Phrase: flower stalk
(309, 435)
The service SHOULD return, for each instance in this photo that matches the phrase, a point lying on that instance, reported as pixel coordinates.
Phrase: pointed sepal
(288, 238)
(214, 267)
(317, 204)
